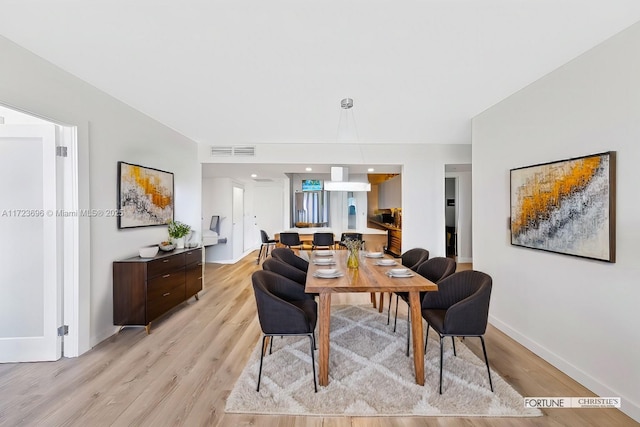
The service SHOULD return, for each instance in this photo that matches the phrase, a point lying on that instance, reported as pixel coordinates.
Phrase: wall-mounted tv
(312, 185)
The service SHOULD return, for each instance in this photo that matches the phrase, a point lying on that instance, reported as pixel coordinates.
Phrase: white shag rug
(370, 375)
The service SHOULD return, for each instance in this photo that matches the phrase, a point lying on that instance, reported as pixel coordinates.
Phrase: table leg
(416, 330)
(323, 336)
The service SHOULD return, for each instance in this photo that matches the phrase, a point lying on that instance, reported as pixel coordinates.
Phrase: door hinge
(61, 151)
(63, 330)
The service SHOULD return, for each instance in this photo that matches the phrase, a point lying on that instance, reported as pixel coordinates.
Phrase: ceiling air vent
(231, 150)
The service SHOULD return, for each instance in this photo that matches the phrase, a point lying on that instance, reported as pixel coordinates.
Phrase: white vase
(179, 242)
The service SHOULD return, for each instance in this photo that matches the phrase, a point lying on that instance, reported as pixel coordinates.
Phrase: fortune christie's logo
(572, 402)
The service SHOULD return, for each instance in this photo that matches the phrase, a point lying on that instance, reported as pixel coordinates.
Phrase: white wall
(423, 221)
(580, 315)
(390, 193)
(108, 131)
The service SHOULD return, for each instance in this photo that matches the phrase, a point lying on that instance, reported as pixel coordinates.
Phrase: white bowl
(327, 271)
(386, 262)
(399, 271)
(148, 251)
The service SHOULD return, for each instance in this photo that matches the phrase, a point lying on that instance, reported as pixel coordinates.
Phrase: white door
(30, 282)
(238, 222)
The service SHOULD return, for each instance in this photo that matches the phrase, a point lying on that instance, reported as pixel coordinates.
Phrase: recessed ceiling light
(370, 170)
(253, 175)
(308, 169)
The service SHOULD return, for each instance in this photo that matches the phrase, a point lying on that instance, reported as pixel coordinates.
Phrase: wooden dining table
(368, 277)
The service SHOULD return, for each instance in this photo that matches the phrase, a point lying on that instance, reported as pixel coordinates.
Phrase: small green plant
(178, 229)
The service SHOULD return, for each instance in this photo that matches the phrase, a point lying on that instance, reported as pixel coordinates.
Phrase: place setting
(374, 255)
(386, 262)
(399, 272)
(328, 273)
(323, 254)
(324, 261)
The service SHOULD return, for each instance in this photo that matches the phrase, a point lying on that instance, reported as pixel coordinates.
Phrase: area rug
(370, 375)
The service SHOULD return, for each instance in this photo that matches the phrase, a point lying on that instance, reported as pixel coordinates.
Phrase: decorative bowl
(167, 248)
(148, 251)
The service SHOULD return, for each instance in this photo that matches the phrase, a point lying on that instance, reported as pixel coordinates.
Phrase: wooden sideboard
(146, 288)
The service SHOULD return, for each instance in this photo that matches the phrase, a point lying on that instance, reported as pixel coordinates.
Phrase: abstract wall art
(566, 206)
(145, 196)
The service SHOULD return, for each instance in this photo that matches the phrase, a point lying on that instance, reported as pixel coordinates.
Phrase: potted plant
(177, 232)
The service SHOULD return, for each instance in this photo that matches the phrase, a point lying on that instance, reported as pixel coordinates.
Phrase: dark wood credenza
(146, 288)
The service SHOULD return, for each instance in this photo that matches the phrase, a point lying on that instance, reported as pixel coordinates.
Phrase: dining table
(328, 273)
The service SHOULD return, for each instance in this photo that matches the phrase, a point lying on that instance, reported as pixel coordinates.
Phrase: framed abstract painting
(566, 206)
(145, 196)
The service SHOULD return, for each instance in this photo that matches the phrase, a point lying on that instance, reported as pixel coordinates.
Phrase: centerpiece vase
(352, 260)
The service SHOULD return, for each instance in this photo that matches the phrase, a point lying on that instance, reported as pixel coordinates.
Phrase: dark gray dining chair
(410, 259)
(286, 270)
(283, 310)
(460, 308)
(288, 256)
(434, 269)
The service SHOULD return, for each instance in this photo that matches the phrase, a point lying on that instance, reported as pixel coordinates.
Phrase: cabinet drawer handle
(165, 276)
(167, 294)
(165, 260)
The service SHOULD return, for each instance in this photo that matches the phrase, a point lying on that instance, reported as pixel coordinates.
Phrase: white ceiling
(253, 71)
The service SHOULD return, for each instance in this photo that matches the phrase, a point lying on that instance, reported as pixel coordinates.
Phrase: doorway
(238, 222)
(40, 275)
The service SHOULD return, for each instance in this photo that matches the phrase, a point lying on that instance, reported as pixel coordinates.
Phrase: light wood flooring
(181, 374)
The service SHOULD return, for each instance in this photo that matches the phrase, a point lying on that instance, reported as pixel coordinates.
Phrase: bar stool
(290, 239)
(266, 244)
(322, 240)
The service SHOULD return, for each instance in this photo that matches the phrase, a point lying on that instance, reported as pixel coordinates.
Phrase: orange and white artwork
(145, 196)
(566, 206)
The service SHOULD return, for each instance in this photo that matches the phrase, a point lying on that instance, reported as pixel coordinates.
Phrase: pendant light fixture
(347, 130)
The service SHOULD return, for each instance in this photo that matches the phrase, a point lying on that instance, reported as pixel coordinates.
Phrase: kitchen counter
(394, 237)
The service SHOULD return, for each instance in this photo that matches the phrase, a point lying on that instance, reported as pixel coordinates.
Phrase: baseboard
(629, 407)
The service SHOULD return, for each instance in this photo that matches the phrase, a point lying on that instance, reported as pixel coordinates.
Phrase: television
(312, 185)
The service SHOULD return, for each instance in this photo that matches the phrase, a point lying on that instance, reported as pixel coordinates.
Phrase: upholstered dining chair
(288, 256)
(283, 310)
(434, 269)
(322, 240)
(267, 243)
(460, 308)
(290, 239)
(410, 259)
(286, 270)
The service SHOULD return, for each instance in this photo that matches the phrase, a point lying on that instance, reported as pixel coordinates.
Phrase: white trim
(630, 408)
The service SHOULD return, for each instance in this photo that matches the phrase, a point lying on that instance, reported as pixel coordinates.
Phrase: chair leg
(313, 362)
(486, 360)
(259, 254)
(408, 327)
(395, 322)
(426, 338)
(389, 309)
(441, 337)
(264, 337)
(453, 341)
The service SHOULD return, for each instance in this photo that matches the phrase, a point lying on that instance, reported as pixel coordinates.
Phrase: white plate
(374, 255)
(400, 275)
(322, 276)
(324, 261)
(327, 272)
(399, 271)
(323, 253)
(386, 262)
